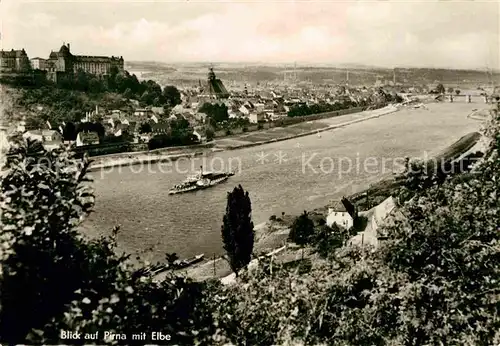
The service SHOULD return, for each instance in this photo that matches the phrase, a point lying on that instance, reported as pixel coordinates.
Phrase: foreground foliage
(54, 279)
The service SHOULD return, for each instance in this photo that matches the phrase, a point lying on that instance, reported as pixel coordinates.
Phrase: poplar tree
(237, 229)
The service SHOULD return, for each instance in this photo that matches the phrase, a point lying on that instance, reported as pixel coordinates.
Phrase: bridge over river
(290, 176)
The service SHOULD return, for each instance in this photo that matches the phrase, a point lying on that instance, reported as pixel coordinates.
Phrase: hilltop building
(38, 63)
(63, 61)
(214, 88)
(14, 61)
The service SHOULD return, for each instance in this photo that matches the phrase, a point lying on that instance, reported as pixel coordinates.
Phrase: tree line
(380, 98)
(180, 133)
(323, 107)
(73, 95)
(148, 92)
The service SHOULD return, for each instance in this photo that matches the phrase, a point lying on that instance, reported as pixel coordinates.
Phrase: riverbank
(147, 158)
(238, 142)
(480, 114)
(279, 134)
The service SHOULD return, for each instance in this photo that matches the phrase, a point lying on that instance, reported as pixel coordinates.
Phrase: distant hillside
(358, 74)
(148, 66)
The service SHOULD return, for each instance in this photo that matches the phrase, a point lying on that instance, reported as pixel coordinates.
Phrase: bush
(326, 239)
(302, 231)
(228, 132)
(210, 133)
(217, 113)
(176, 138)
(159, 141)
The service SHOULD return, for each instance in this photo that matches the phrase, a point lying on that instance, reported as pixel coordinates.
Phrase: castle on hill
(14, 61)
(63, 61)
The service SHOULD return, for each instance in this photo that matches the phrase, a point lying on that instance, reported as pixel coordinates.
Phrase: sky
(386, 33)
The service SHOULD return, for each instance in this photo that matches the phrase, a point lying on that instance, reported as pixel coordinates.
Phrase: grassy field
(288, 131)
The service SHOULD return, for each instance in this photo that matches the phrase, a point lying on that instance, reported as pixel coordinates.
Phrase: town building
(38, 63)
(143, 112)
(255, 118)
(160, 128)
(50, 139)
(14, 61)
(43, 135)
(63, 61)
(87, 138)
(343, 213)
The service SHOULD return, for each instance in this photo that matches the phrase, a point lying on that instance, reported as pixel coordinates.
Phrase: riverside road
(288, 176)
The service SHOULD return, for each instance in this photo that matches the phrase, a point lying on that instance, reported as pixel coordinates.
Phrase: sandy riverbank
(480, 114)
(269, 236)
(300, 130)
(149, 157)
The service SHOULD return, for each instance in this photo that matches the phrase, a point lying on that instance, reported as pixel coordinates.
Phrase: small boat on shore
(158, 268)
(200, 181)
(180, 264)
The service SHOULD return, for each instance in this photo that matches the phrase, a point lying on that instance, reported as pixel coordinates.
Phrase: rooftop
(337, 206)
(12, 53)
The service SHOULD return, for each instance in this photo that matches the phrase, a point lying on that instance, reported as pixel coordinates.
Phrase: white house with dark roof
(342, 213)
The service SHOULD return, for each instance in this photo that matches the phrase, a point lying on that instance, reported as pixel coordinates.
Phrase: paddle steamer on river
(200, 181)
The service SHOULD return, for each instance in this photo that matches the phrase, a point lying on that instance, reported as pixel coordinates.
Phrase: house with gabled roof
(343, 213)
(50, 139)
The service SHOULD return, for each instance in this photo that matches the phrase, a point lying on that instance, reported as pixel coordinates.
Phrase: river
(289, 176)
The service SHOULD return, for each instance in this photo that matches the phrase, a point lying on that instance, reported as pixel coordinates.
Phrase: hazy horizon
(451, 34)
(303, 64)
